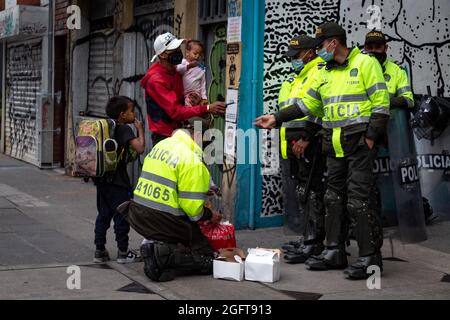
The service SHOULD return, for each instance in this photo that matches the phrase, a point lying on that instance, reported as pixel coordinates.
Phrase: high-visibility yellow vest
(347, 95)
(174, 178)
(291, 90)
(398, 82)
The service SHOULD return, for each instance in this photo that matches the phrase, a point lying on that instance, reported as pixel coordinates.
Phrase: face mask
(175, 58)
(325, 55)
(381, 56)
(299, 64)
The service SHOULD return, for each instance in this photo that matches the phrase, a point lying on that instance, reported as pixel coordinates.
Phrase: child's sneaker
(101, 256)
(124, 257)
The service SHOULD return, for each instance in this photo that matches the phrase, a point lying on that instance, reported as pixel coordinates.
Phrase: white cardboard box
(262, 265)
(229, 265)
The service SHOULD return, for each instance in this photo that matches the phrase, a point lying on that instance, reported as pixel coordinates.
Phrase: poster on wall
(234, 29)
(232, 105)
(233, 65)
(234, 8)
(230, 142)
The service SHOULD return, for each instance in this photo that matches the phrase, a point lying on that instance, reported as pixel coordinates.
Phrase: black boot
(358, 270)
(331, 258)
(292, 245)
(191, 261)
(155, 256)
(303, 253)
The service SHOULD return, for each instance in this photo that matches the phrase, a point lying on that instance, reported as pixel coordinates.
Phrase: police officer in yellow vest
(169, 201)
(350, 94)
(399, 87)
(299, 142)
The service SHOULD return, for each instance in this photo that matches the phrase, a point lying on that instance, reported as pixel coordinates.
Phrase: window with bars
(142, 7)
(212, 11)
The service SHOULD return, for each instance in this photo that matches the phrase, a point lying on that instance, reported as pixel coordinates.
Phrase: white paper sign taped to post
(232, 105)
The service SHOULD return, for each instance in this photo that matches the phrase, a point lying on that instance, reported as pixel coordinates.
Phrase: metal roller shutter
(100, 87)
(23, 86)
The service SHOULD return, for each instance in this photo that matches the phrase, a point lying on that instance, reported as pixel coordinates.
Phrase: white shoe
(128, 257)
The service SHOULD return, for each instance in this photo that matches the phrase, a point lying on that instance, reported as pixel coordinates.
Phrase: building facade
(245, 42)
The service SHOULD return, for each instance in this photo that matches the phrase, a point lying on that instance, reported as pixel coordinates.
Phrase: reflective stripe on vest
(283, 143)
(192, 195)
(374, 88)
(313, 93)
(382, 110)
(158, 206)
(346, 98)
(295, 124)
(289, 102)
(158, 179)
(337, 143)
(345, 122)
(403, 90)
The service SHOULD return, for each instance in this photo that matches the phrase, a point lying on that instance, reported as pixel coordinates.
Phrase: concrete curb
(157, 288)
(44, 266)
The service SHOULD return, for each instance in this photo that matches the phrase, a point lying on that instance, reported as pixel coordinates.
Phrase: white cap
(164, 42)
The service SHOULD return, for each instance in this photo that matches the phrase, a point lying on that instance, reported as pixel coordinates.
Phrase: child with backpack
(114, 188)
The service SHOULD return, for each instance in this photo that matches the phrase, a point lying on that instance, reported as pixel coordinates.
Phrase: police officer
(396, 77)
(401, 96)
(168, 201)
(300, 143)
(351, 96)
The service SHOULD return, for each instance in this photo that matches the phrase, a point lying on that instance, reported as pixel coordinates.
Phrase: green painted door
(216, 90)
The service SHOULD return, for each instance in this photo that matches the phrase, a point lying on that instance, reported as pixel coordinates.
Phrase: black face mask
(381, 57)
(175, 58)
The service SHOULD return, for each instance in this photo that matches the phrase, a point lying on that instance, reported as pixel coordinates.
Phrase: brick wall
(29, 2)
(61, 16)
(21, 2)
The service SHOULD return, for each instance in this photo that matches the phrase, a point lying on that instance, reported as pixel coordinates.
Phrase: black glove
(399, 103)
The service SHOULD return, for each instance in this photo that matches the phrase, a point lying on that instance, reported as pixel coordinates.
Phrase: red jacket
(165, 100)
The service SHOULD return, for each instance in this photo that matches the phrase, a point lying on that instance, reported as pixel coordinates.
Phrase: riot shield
(383, 197)
(408, 195)
(432, 135)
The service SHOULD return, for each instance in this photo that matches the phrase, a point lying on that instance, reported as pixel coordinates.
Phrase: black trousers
(304, 213)
(161, 226)
(109, 197)
(352, 176)
(347, 201)
(314, 150)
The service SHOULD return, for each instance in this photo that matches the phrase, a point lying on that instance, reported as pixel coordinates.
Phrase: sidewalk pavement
(47, 222)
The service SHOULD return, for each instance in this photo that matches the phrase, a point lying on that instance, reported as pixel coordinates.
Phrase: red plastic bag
(220, 236)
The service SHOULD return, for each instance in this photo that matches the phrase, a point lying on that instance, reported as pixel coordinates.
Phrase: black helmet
(432, 118)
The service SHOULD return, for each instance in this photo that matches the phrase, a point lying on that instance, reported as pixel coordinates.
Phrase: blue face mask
(298, 65)
(325, 55)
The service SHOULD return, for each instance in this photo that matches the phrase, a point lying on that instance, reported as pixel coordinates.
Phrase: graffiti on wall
(23, 21)
(280, 27)
(145, 30)
(418, 33)
(179, 23)
(23, 84)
